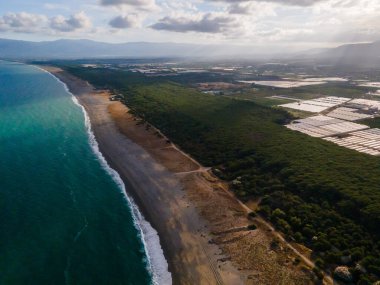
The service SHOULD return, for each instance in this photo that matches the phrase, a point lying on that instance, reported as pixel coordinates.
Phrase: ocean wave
(157, 265)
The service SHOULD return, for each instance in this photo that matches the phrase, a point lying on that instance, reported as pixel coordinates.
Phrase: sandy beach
(201, 225)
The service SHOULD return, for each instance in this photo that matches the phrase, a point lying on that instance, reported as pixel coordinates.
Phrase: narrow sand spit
(202, 227)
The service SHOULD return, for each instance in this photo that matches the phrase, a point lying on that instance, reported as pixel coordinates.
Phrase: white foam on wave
(157, 265)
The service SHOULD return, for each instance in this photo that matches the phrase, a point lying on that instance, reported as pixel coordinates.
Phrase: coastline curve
(157, 264)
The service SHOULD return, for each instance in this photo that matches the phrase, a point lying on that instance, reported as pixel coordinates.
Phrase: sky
(277, 24)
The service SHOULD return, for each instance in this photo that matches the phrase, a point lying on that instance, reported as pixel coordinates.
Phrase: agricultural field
(338, 126)
(370, 84)
(341, 89)
(284, 83)
(323, 126)
(348, 114)
(366, 141)
(316, 105)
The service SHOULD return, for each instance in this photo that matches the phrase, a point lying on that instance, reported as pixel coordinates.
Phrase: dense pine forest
(315, 192)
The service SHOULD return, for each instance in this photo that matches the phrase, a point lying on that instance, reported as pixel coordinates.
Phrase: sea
(65, 217)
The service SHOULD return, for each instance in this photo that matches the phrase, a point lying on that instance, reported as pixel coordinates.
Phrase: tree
(277, 214)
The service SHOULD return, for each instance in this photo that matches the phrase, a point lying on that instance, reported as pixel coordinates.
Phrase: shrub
(318, 273)
(252, 227)
(297, 261)
(319, 263)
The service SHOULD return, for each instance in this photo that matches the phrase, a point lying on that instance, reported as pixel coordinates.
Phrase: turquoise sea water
(63, 218)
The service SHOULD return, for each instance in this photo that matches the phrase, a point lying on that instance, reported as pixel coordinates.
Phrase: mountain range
(351, 54)
(71, 49)
(364, 54)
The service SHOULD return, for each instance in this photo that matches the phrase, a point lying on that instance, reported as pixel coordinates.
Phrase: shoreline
(187, 251)
(201, 225)
(157, 265)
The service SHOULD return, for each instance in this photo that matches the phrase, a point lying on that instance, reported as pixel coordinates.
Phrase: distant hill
(367, 55)
(364, 55)
(69, 49)
(83, 49)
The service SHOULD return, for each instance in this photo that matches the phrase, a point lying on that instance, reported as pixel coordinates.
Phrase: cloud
(35, 23)
(179, 5)
(21, 22)
(124, 22)
(239, 8)
(55, 6)
(74, 22)
(137, 3)
(207, 23)
(259, 22)
(284, 2)
(295, 2)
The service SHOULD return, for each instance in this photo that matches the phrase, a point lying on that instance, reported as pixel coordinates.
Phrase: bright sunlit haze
(264, 24)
